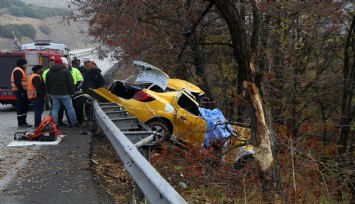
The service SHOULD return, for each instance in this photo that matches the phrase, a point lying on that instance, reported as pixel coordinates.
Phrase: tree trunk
(347, 107)
(245, 53)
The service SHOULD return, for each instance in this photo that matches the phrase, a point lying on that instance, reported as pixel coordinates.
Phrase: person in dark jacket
(19, 86)
(36, 92)
(92, 77)
(60, 85)
(78, 78)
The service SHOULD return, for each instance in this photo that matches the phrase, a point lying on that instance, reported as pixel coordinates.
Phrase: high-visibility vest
(77, 76)
(31, 91)
(23, 80)
(44, 75)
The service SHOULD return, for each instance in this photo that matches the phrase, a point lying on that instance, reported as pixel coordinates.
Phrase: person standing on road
(19, 86)
(76, 63)
(78, 78)
(92, 77)
(60, 85)
(51, 63)
(36, 92)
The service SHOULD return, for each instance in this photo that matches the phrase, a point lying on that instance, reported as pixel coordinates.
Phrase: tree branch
(188, 34)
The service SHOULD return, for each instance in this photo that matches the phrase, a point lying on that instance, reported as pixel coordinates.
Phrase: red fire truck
(8, 63)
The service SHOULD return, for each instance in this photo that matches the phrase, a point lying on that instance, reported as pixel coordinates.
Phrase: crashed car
(155, 79)
(171, 107)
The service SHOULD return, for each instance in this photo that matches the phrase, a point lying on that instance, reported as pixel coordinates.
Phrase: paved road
(57, 174)
(11, 158)
(47, 174)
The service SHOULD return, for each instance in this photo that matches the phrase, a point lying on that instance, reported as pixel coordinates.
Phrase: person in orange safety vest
(19, 86)
(36, 92)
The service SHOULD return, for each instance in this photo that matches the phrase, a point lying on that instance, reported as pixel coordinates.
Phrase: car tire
(160, 128)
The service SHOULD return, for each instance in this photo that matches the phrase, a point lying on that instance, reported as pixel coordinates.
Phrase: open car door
(188, 124)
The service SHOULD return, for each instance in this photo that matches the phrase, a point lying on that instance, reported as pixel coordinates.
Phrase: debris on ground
(198, 175)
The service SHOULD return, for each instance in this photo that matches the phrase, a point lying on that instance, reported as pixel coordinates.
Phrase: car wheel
(160, 128)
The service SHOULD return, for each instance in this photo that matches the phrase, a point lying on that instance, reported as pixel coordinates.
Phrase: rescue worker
(61, 110)
(60, 85)
(19, 86)
(78, 78)
(94, 65)
(44, 74)
(51, 63)
(92, 77)
(36, 92)
(76, 63)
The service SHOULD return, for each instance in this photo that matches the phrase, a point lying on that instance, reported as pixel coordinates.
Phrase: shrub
(33, 13)
(15, 11)
(5, 4)
(18, 3)
(19, 30)
(18, 8)
(12, 3)
(27, 30)
(45, 29)
(6, 31)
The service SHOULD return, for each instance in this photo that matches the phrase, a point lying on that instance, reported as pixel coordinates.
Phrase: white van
(46, 44)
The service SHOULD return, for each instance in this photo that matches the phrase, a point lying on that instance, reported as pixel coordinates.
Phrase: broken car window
(187, 104)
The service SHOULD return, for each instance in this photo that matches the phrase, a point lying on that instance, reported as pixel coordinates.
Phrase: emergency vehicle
(46, 44)
(8, 61)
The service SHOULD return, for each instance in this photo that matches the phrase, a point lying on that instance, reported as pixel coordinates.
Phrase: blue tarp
(215, 132)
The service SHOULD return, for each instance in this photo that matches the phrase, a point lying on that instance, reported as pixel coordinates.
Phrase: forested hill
(40, 19)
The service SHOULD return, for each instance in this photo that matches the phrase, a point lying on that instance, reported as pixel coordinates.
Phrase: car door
(189, 126)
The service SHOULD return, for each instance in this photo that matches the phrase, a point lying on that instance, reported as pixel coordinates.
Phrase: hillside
(51, 28)
(51, 3)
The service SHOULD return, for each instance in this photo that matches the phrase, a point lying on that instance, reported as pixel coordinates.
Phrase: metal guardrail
(82, 52)
(154, 187)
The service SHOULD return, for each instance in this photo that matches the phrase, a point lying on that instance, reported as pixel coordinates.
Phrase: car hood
(151, 74)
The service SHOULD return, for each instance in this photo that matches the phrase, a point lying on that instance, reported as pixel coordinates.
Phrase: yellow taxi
(169, 107)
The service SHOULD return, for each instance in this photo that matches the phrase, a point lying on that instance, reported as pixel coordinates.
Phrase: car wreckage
(173, 109)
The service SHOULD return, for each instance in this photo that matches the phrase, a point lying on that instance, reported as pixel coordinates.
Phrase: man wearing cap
(60, 85)
(36, 92)
(19, 86)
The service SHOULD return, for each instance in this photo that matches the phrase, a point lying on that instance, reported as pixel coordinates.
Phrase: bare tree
(245, 48)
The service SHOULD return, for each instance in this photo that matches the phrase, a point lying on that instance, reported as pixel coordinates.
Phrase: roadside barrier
(131, 144)
(82, 52)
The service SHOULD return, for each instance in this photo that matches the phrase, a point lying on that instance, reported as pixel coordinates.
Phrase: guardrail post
(145, 151)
